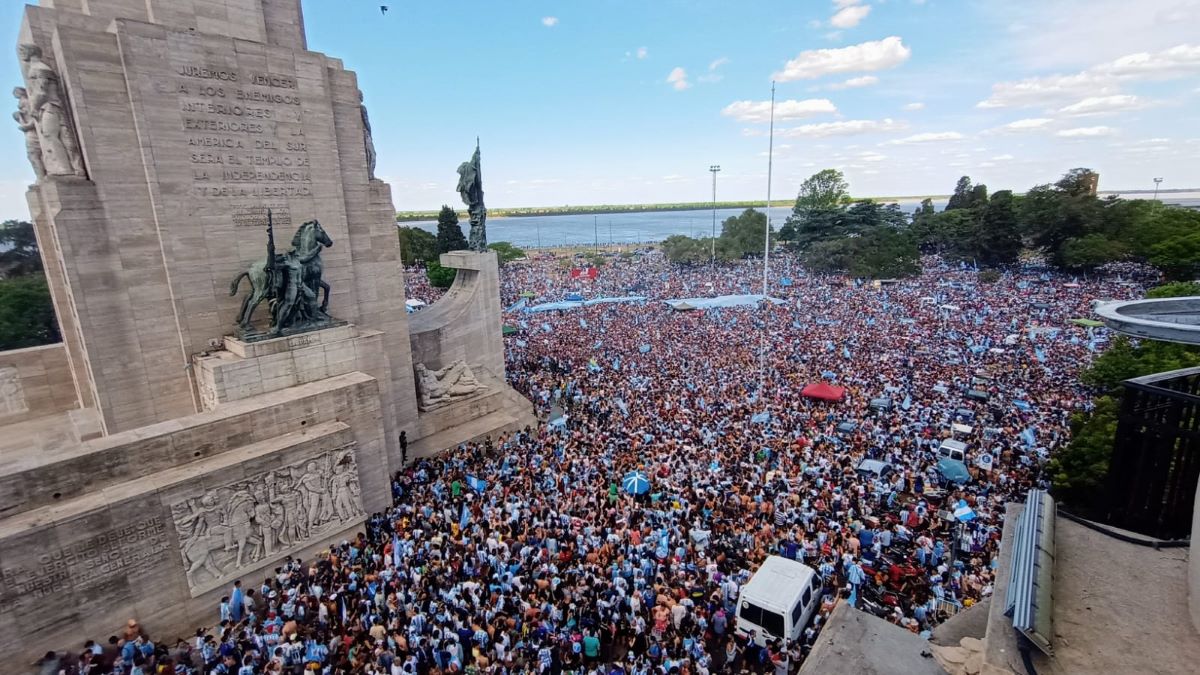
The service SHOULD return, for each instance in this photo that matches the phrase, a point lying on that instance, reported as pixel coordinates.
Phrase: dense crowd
(527, 555)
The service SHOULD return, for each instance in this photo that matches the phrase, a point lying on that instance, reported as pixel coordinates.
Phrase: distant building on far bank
(1092, 181)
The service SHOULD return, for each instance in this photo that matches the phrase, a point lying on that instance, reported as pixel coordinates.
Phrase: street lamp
(713, 255)
(1157, 181)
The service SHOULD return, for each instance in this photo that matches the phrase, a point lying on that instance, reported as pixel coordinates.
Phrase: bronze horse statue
(309, 240)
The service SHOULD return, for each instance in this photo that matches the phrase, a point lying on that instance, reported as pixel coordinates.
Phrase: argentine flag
(963, 512)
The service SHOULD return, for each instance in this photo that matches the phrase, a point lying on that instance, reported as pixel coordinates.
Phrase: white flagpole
(762, 348)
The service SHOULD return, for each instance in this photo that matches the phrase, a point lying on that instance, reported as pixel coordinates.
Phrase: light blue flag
(845, 352)
(761, 418)
(583, 324)
(1029, 437)
(907, 402)
(644, 348)
(476, 484)
(546, 327)
(1041, 355)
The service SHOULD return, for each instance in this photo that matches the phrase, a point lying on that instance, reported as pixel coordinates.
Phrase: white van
(778, 601)
(953, 449)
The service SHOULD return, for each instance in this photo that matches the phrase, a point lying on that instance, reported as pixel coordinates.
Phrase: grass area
(408, 216)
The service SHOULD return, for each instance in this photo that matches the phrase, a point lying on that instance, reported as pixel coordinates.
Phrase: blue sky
(631, 101)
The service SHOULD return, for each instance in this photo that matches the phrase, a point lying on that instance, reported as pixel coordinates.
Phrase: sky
(627, 101)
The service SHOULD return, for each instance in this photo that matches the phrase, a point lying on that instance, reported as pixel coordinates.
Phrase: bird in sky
(383, 9)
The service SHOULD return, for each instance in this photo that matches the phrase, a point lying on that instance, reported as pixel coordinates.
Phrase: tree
(999, 237)
(417, 244)
(979, 196)
(1175, 289)
(440, 277)
(685, 250)
(506, 252)
(19, 253)
(961, 198)
(1090, 251)
(449, 234)
(879, 253)
(1078, 470)
(26, 313)
(818, 206)
(743, 235)
(1078, 182)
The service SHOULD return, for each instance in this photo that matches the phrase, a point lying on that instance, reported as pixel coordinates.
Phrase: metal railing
(1030, 600)
(1155, 464)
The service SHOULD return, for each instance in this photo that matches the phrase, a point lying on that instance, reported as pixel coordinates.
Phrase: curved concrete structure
(1167, 319)
(465, 322)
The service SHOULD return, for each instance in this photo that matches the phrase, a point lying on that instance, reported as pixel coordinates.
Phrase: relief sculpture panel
(256, 520)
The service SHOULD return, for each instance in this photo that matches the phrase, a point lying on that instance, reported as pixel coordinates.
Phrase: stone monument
(190, 431)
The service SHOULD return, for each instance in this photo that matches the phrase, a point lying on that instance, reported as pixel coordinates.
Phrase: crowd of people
(527, 554)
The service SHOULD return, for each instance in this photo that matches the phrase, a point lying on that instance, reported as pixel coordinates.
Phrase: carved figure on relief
(368, 140)
(440, 386)
(59, 145)
(28, 126)
(251, 520)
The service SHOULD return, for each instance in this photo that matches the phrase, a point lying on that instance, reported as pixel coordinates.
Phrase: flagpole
(762, 347)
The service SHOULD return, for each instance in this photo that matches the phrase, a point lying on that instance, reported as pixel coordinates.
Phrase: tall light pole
(1157, 181)
(596, 230)
(715, 168)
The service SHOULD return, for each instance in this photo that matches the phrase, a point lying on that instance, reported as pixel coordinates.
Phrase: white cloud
(549, 21)
(915, 106)
(1086, 132)
(1176, 61)
(1028, 124)
(841, 128)
(717, 63)
(1035, 90)
(1078, 33)
(642, 52)
(678, 79)
(760, 111)
(845, 3)
(872, 157)
(1096, 82)
(928, 137)
(1002, 158)
(1103, 105)
(855, 82)
(849, 17)
(867, 56)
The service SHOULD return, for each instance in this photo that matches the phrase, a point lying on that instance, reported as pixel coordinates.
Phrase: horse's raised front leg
(325, 302)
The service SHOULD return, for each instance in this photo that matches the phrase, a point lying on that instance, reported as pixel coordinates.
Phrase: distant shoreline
(606, 209)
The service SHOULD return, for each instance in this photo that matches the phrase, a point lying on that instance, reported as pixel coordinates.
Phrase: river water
(632, 228)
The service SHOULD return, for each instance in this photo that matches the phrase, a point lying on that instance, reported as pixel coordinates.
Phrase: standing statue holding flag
(470, 188)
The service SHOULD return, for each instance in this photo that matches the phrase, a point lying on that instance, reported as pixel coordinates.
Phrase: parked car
(874, 468)
(952, 472)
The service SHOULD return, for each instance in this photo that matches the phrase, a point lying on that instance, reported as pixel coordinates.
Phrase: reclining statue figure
(439, 386)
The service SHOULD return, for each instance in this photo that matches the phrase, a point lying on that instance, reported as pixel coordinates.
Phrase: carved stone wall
(274, 513)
